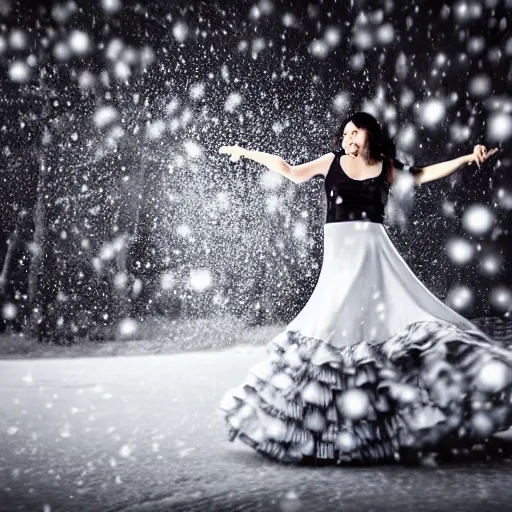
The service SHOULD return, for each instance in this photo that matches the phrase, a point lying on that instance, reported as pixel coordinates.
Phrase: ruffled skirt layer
(374, 365)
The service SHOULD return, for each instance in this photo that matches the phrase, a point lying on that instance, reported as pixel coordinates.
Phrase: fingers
(477, 154)
(234, 152)
(226, 149)
(481, 154)
(229, 149)
(490, 153)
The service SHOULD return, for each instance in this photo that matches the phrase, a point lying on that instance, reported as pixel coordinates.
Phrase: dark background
(116, 206)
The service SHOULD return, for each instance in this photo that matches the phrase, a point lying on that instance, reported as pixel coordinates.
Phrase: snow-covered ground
(156, 335)
(143, 433)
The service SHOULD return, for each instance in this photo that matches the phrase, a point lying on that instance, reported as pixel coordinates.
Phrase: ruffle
(431, 388)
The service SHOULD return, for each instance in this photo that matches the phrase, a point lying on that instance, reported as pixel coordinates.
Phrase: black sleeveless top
(349, 199)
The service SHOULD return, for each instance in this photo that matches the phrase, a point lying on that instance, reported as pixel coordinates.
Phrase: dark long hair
(381, 147)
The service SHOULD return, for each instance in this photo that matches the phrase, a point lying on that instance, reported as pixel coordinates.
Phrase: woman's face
(355, 140)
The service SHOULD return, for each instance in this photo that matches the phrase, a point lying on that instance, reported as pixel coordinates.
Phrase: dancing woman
(374, 365)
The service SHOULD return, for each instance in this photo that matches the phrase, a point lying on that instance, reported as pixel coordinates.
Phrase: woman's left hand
(481, 154)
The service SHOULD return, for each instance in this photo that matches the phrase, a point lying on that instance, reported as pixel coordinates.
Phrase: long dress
(374, 366)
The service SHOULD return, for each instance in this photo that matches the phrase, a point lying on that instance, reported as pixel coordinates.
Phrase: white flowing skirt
(372, 368)
(366, 291)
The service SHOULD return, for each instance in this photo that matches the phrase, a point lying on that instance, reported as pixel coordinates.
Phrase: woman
(374, 366)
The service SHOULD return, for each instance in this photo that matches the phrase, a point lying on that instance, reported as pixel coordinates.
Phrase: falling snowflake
(200, 279)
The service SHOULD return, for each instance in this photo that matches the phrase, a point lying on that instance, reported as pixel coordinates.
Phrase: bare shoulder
(319, 166)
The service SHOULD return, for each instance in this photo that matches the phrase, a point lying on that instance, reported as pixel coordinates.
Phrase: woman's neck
(364, 160)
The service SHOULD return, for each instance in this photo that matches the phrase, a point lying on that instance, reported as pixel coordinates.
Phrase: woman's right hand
(235, 151)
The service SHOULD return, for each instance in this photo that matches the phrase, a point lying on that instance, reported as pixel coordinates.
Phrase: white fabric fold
(366, 291)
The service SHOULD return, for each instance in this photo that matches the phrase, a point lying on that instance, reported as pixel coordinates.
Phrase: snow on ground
(81, 431)
(144, 433)
(157, 335)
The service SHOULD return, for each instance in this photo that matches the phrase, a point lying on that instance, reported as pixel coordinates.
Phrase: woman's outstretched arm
(442, 169)
(295, 173)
